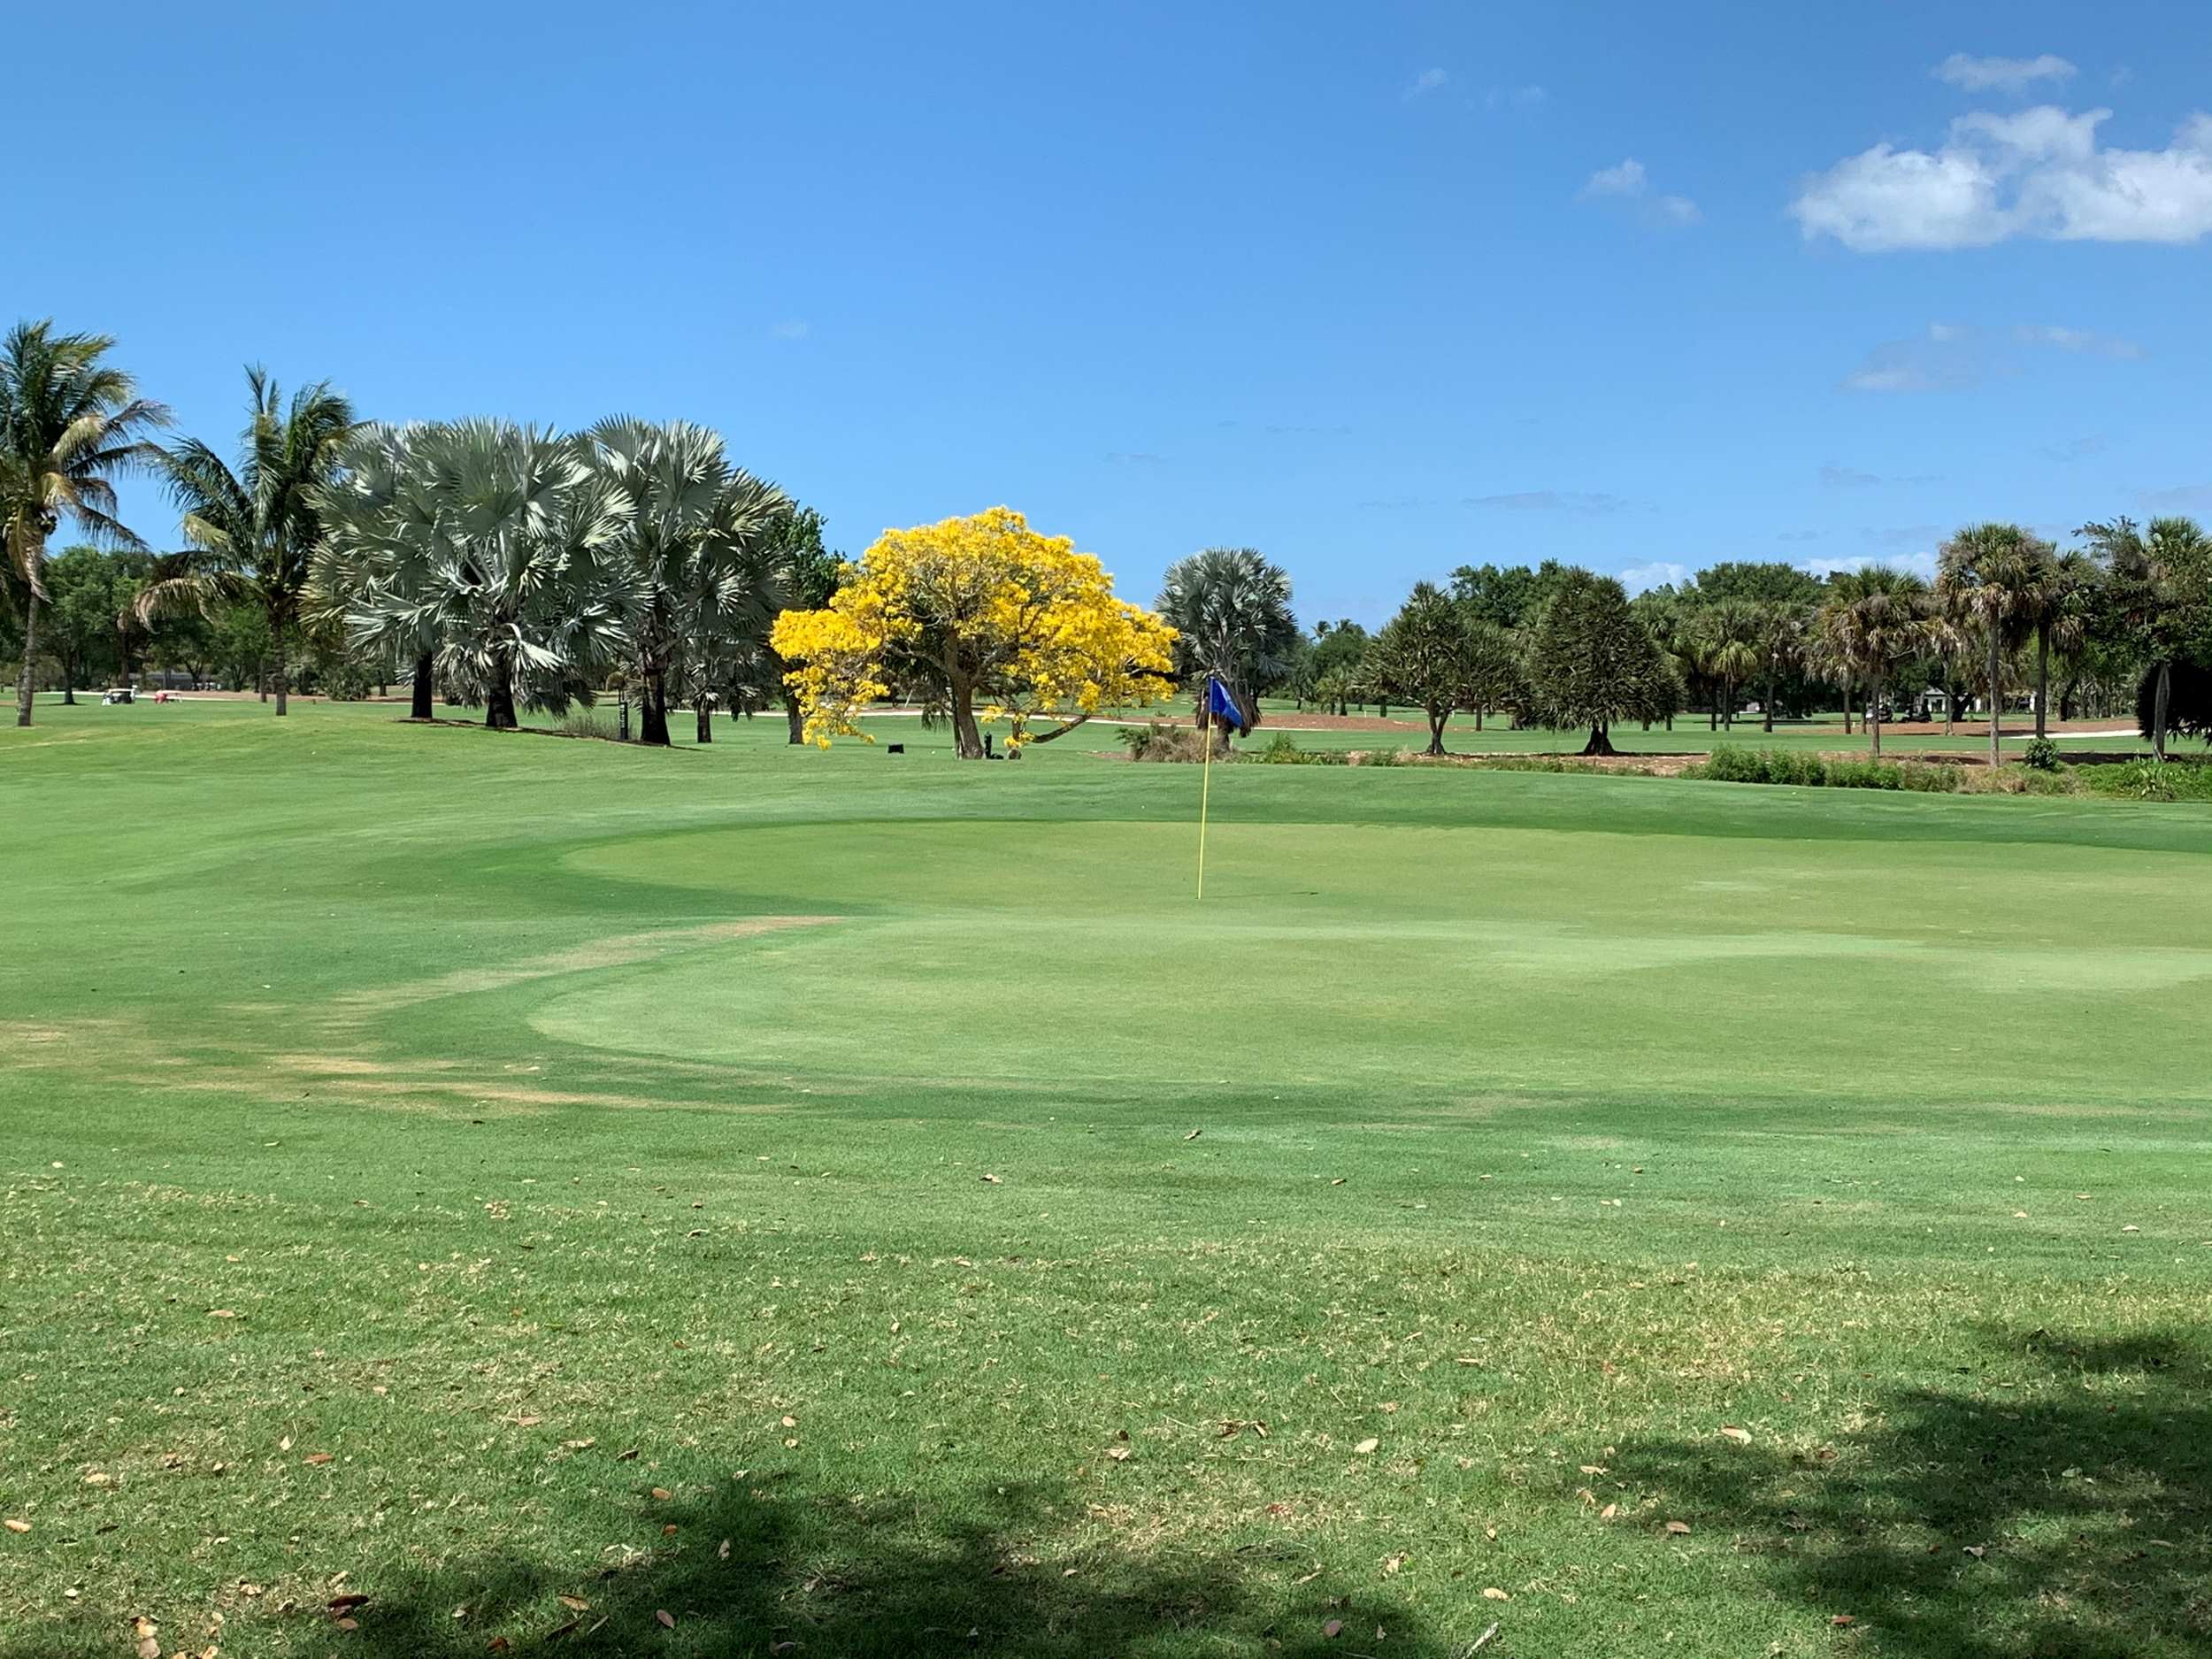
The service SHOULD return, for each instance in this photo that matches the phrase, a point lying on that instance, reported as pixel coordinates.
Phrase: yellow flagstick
(1205, 790)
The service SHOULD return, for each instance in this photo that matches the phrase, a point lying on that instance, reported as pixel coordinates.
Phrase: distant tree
(2188, 699)
(2159, 581)
(1338, 646)
(982, 609)
(1874, 619)
(2060, 610)
(1725, 641)
(1230, 607)
(79, 614)
(1591, 662)
(381, 547)
(1334, 690)
(1755, 581)
(70, 423)
(1510, 595)
(1990, 574)
(1494, 679)
(252, 534)
(1425, 656)
(1782, 626)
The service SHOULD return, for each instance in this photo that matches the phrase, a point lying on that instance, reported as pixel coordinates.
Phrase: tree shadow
(2060, 1503)
(768, 1569)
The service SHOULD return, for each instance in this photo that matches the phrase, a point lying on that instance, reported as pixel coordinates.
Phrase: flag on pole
(1220, 706)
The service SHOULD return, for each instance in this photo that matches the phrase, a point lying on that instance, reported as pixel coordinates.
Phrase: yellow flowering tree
(975, 612)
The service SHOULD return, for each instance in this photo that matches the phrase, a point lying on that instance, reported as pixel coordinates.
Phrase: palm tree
(2059, 611)
(499, 544)
(1989, 575)
(252, 534)
(1874, 618)
(1724, 638)
(380, 543)
(2158, 578)
(696, 547)
(70, 422)
(1230, 607)
(1781, 644)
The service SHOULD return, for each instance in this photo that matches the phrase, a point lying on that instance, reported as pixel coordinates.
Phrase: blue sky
(1378, 290)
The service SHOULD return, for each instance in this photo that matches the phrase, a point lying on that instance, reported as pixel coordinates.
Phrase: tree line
(512, 567)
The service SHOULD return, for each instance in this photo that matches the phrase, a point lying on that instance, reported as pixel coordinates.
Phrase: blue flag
(1222, 706)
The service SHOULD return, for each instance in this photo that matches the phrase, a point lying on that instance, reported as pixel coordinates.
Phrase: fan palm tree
(696, 549)
(70, 422)
(251, 533)
(1989, 575)
(1230, 607)
(1874, 618)
(500, 546)
(1782, 625)
(2158, 576)
(2059, 612)
(1725, 646)
(380, 539)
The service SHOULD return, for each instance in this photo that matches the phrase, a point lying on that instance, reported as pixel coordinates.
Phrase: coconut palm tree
(1874, 618)
(70, 422)
(251, 533)
(1989, 575)
(697, 548)
(1723, 639)
(1230, 607)
(2059, 612)
(502, 547)
(2159, 576)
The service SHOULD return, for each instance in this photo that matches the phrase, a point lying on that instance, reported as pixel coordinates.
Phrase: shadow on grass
(2068, 1514)
(810, 1576)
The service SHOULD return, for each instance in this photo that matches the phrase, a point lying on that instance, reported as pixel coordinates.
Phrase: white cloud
(2009, 74)
(2037, 172)
(1922, 563)
(1628, 179)
(788, 331)
(1658, 573)
(2081, 339)
(1847, 478)
(1527, 98)
(1427, 81)
(1551, 501)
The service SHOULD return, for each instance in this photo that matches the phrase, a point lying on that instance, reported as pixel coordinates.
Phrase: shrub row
(2150, 779)
(1729, 764)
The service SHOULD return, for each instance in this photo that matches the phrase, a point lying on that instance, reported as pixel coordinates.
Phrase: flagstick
(1205, 791)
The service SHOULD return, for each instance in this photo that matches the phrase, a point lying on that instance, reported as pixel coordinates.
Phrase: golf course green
(467, 1191)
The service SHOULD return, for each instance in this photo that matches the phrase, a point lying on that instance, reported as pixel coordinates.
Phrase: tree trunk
(652, 712)
(261, 677)
(1769, 709)
(797, 720)
(2158, 709)
(1478, 717)
(69, 670)
(1712, 712)
(1874, 714)
(967, 736)
(1437, 716)
(282, 684)
(1847, 705)
(2042, 678)
(705, 711)
(1996, 702)
(418, 694)
(30, 652)
(1601, 741)
(499, 700)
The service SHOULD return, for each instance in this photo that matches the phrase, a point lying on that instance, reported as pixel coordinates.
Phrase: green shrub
(1379, 757)
(1729, 764)
(1282, 750)
(1157, 740)
(2149, 779)
(2042, 754)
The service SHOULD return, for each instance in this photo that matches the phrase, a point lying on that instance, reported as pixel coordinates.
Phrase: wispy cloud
(1135, 457)
(1951, 357)
(1629, 181)
(2000, 75)
(1551, 501)
(1850, 478)
(1427, 81)
(2040, 173)
(793, 330)
(1799, 535)
(1921, 563)
(2082, 340)
(1514, 99)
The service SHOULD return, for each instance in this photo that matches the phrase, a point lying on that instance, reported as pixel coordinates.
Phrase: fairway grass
(860, 1204)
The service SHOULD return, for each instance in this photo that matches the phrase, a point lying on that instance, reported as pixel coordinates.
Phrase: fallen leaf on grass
(573, 1603)
(662, 1492)
(1193, 1135)
(316, 1460)
(667, 1618)
(1742, 1437)
(15, 1525)
(1495, 1594)
(346, 1603)
(1119, 1454)
(1977, 1551)
(993, 1180)
(497, 1644)
(1367, 1446)
(624, 1457)
(220, 1313)
(1609, 1511)
(1841, 1620)
(148, 1637)
(1679, 1529)
(579, 1446)
(724, 1553)
(1333, 1629)
(346, 1623)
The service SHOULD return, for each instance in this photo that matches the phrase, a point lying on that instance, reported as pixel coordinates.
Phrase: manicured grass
(402, 1125)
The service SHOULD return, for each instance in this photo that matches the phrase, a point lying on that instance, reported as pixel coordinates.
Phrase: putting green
(1631, 966)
